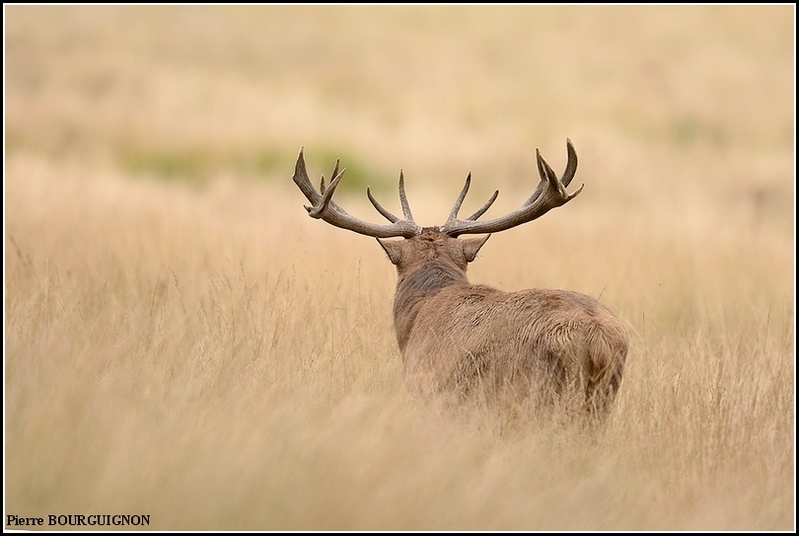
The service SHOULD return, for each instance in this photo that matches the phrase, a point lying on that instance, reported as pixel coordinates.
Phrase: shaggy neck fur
(414, 287)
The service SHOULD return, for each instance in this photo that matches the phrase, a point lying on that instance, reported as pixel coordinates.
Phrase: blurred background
(663, 103)
(182, 340)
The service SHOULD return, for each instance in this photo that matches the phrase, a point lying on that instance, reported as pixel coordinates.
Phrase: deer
(465, 338)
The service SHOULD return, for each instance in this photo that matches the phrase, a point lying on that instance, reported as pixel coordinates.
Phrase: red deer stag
(455, 336)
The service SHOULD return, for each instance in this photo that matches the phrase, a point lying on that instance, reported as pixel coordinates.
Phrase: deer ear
(472, 245)
(393, 249)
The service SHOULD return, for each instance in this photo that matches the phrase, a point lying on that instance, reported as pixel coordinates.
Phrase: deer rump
(532, 342)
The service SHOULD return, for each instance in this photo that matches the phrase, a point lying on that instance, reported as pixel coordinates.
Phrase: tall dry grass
(182, 341)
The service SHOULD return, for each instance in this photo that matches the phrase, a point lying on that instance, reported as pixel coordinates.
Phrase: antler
(322, 206)
(550, 193)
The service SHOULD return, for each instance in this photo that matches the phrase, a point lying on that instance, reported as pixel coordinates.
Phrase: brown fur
(455, 336)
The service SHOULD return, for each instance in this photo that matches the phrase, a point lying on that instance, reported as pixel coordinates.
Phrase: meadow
(182, 341)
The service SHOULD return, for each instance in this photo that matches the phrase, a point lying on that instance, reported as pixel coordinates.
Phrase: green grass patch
(358, 175)
(191, 165)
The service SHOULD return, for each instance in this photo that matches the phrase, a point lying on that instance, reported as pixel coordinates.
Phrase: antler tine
(568, 173)
(406, 208)
(548, 175)
(332, 175)
(322, 207)
(318, 210)
(302, 181)
(482, 210)
(453, 214)
(386, 214)
(550, 193)
(571, 163)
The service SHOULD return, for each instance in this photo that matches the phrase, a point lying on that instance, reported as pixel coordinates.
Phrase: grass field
(182, 341)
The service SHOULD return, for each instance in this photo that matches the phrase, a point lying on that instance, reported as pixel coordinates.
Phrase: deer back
(455, 336)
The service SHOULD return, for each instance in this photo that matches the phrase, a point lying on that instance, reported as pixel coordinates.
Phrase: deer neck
(414, 287)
